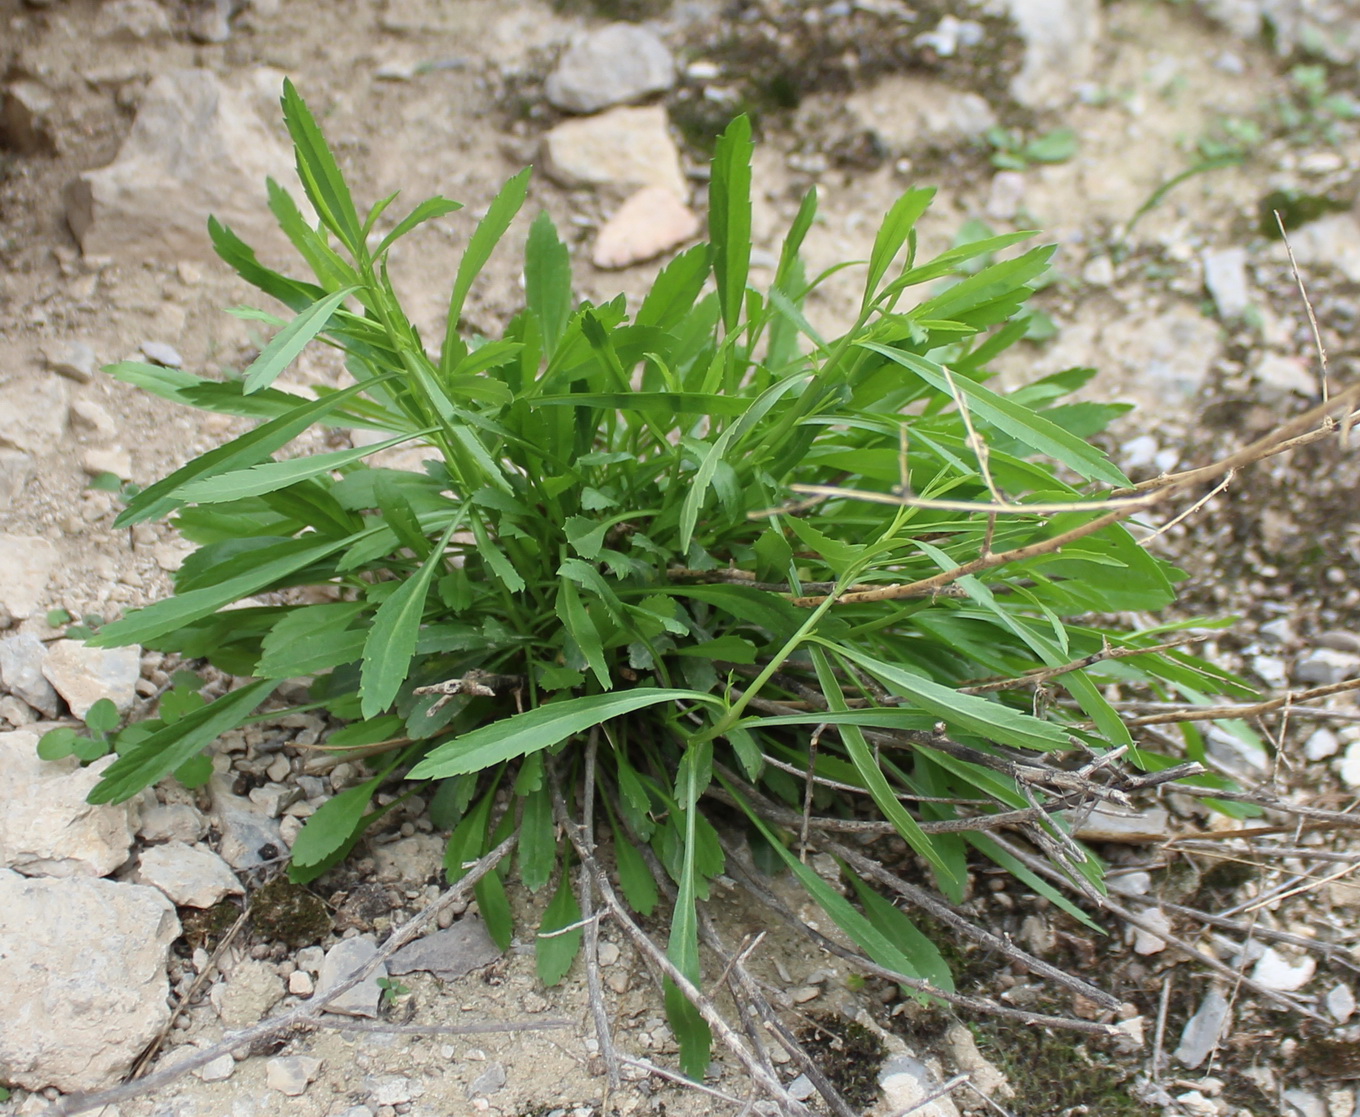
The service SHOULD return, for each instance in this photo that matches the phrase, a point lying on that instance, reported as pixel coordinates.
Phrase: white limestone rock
(21, 672)
(623, 148)
(343, 959)
(291, 1074)
(610, 65)
(26, 563)
(192, 876)
(197, 148)
(650, 222)
(1060, 38)
(47, 828)
(83, 675)
(82, 979)
(246, 996)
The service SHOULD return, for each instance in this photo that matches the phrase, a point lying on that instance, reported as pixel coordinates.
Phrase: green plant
(1012, 152)
(653, 550)
(392, 991)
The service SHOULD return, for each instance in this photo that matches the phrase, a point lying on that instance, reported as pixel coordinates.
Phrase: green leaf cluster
(605, 533)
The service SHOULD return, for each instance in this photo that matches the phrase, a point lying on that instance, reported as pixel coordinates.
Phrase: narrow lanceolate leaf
(271, 476)
(392, 638)
(539, 729)
(162, 617)
(555, 947)
(321, 178)
(292, 339)
(428, 210)
(484, 238)
(1018, 421)
(691, 1031)
(547, 281)
(537, 839)
(636, 880)
(332, 824)
(968, 712)
(168, 748)
(581, 628)
(729, 217)
(249, 449)
(892, 234)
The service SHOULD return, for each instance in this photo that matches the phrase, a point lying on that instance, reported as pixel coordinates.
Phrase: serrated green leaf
(897, 225)
(581, 628)
(321, 178)
(547, 281)
(333, 824)
(635, 879)
(729, 217)
(537, 839)
(392, 636)
(168, 748)
(676, 289)
(555, 952)
(540, 728)
(428, 210)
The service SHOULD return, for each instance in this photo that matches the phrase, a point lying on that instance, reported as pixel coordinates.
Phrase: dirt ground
(444, 96)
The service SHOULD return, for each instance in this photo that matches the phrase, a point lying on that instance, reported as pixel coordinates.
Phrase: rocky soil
(125, 123)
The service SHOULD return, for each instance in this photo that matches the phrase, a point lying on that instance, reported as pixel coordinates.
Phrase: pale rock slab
(650, 222)
(33, 413)
(83, 675)
(610, 65)
(906, 112)
(1275, 971)
(1332, 241)
(192, 876)
(26, 563)
(906, 1082)
(165, 822)
(47, 828)
(1146, 942)
(16, 471)
(448, 954)
(1203, 1030)
(1131, 828)
(623, 148)
(197, 148)
(21, 662)
(249, 992)
(1325, 27)
(1225, 277)
(74, 360)
(249, 836)
(343, 959)
(82, 979)
(291, 1074)
(26, 119)
(112, 460)
(1060, 38)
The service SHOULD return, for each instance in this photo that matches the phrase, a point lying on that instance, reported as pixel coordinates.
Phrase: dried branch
(586, 887)
(1176, 714)
(1043, 674)
(299, 1019)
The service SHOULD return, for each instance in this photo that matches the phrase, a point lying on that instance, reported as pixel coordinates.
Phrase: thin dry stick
(645, 946)
(1307, 303)
(1179, 714)
(1159, 1036)
(298, 1019)
(1043, 674)
(1039, 865)
(670, 1076)
(1271, 803)
(586, 889)
(1185, 514)
(1328, 950)
(934, 1095)
(382, 1028)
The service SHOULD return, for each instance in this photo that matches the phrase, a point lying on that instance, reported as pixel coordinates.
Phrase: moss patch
(285, 912)
(849, 1055)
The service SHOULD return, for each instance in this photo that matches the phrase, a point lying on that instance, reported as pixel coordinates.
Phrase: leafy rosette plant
(747, 570)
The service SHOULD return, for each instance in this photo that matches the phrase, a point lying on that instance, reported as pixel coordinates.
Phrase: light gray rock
(21, 672)
(1134, 828)
(1305, 1103)
(219, 1070)
(1275, 971)
(390, 1089)
(1280, 376)
(197, 148)
(1203, 1030)
(488, 1082)
(25, 119)
(1321, 744)
(906, 112)
(16, 471)
(33, 413)
(73, 359)
(1332, 241)
(1225, 276)
(162, 353)
(905, 1081)
(26, 563)
(450, 954)
(985, 1077)
(110, 460)
(343, 959)
(82, 979)
(47, 828)
(623, 148)
(1060, 38)
(610, 65)
(291, 1074)
(94, 417)
(801, 1088)
(246, 996)
(1340, 1002)
(410, 860)
(192, 876)
(164, 822)
(16, 713)
(1325, 666)
(83, 675)
(132, 19)
(249, 836)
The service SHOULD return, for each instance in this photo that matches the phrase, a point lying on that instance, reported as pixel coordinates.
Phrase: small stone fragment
(1203, 1030)
(1275, 971)
(608, 953)
(250, 991)
(1321, 743)
(1225, 276)
(1146, 942)
(192, 876)
(1107, 825)
(93, 417)
(97, 462)
(342, 960)
(163, 822)
(33, 413)
(300, 983)
(801, 1088)
(488, 1082)
(650, 222)
(905, 1082)
(219, 1070)
(1340, 1003)
(1325, 666)
(610, 65)
(291, 1074)
(25, 119)
(390, 1089)
(624, 148)
(73, 359)
(83, 675)
(158, 352)
(16, 471)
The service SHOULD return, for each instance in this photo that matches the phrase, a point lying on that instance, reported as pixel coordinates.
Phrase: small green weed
(655, 546)
(392, 991)
(1012, 152)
